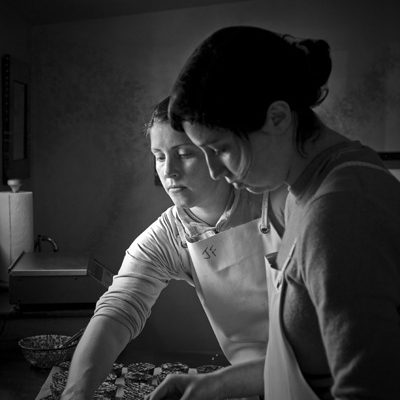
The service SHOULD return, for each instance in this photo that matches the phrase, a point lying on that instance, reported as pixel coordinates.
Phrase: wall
(14, 40)
(94, 83)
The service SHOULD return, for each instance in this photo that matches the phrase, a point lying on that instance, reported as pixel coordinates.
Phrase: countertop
(20, 381)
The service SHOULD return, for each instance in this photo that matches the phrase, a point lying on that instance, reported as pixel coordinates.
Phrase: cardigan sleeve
(350, 266)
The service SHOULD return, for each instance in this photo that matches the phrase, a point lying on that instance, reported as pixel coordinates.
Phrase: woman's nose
(216, 167)
(170, 167)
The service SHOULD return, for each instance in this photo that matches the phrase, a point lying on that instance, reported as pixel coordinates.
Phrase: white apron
(231, 285)
(283, 378)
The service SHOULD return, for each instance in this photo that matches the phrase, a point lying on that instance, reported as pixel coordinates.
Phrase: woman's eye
(159, 158)
(185, 154)
(217, 152)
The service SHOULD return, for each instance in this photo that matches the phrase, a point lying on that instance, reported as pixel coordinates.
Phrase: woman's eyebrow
(173, 147)
(209, 143)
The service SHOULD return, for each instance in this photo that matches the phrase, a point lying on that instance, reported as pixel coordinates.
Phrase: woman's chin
(181, 201)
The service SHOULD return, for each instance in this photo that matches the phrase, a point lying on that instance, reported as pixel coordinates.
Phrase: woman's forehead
(162, 134)
(202, 135)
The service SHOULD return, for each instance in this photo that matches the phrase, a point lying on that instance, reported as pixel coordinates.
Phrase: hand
(186, 387)
(69, 396)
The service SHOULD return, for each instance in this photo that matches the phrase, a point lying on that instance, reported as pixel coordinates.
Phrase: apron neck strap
(264, 223)
(356, 164)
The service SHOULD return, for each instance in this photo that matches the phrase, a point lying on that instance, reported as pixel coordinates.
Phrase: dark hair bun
(234, 75)
(317, 68)
(320, 67)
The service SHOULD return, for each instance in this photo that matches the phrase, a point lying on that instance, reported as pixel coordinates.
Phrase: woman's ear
(279, 117)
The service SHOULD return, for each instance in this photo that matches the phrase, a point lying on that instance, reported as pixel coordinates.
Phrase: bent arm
(240, 380)
(100, 345)
(122, 311)
(352, 275)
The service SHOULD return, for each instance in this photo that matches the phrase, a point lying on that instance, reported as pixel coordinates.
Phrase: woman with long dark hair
(245, 97)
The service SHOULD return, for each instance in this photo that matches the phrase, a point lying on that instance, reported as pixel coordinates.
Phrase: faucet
(42, 238)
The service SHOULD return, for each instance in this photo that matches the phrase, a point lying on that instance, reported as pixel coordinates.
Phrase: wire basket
(45, 351)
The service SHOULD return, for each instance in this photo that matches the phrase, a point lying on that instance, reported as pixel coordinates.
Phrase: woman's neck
(326, 138)
(211, 211)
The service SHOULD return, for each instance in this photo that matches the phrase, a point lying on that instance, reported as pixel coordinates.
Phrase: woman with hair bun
(245, 97)
(200, 239)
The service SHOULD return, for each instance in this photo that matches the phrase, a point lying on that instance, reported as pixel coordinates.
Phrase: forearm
(241, 380)
(102, 342)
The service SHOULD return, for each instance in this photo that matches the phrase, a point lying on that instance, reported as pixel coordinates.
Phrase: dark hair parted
(235, 74)
(159, 115)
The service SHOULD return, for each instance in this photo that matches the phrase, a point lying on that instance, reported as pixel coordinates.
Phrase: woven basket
(43, 351)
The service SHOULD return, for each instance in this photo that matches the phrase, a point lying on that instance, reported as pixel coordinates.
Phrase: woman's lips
(176, 188)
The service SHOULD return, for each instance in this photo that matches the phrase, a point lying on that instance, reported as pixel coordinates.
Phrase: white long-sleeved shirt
(156, 256)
